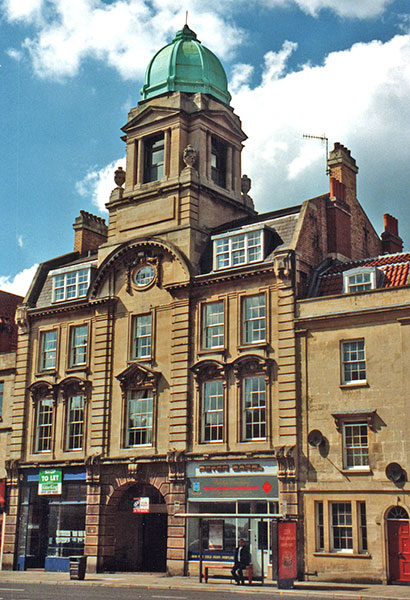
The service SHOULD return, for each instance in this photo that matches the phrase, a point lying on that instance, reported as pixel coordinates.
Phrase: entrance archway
(141, 537)
(398, 540)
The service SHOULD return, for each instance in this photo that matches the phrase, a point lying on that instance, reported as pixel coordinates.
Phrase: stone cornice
(69, 306)
(221, 277)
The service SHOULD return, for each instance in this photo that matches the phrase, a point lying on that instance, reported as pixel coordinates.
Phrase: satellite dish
(394, 472)
(315, 438)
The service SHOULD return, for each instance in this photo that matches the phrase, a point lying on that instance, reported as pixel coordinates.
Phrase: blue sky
(71, 70)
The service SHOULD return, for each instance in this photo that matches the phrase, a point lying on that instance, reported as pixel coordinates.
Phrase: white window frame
(78, 347)
(360, 279)
(349, 360)
(141, 344)
(344, 522)
(48, 350)
(355, 445)
(212, 411)
(239, 248)
(44, 429)
(74, 424)
(254, 405)
(252, 320)
(144, 400)
(213, 325)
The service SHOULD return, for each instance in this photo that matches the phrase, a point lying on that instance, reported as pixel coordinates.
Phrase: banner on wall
(287, 555)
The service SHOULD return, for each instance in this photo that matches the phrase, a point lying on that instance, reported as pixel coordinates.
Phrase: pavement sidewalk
(312, 590)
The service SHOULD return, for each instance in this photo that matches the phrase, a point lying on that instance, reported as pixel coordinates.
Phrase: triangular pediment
(137, 375)
(149, 116)
(225, 119)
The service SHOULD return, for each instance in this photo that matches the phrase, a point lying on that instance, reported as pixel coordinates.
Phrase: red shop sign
(287, 556)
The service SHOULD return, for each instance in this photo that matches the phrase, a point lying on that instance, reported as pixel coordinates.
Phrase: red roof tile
(396, 269)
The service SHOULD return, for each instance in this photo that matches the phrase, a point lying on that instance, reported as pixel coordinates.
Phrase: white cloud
(358, 97)
(124, 34)
(20, 283)
(20, 242)
(98, 184)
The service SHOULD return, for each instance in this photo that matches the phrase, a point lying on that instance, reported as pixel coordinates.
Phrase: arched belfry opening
(139, 518)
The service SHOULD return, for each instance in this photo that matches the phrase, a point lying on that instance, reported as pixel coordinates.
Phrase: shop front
(217, 492)
(51, 518)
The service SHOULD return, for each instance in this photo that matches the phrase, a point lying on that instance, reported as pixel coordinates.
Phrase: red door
(399, 550)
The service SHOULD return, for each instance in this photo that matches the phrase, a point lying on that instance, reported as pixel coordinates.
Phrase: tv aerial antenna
(322, 138)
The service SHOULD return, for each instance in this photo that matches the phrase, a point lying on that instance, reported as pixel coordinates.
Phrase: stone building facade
(8, 343)
(156, 364)
(353, 346)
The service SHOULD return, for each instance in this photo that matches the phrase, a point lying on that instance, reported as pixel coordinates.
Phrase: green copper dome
(185, 66)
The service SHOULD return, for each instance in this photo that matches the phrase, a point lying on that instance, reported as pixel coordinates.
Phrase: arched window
(397, 513)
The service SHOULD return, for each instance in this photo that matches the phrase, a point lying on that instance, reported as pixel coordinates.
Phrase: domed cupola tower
(183, 146)
(186, 65)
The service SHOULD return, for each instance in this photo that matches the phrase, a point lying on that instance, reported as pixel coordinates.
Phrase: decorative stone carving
(208, 369)
(190, 156)
(249, 365)
(285, 455)
(119, 177)
(245, 184)
(73, 386)
(21, 318)
(43, 389)
(176, 465)
(137, 376)
(142, 258)
(283, 265)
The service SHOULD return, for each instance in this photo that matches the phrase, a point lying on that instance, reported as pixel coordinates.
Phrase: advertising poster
(140, 505)
(287, 567)
(216, 535)
(50, 482)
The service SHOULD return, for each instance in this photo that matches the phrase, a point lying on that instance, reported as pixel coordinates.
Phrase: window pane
(356, 445)
(71, 285)
(75, 422)
(79, 340)
(254, 404)
(213, 325)
(139, 418)
(254, 319)
(212, 413)
(48, 350)
(154, 159)
(341, 521)
(142, 336)
(44, 424)
(362, 526)
(353, 361)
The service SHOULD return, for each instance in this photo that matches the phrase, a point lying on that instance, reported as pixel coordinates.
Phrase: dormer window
(360, 279)
(240, 249)
(154, 158)
(71, 282)
(218, 161)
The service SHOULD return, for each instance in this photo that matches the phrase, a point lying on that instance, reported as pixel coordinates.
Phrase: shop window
(1, 399)
(362, 522)
(139, 418)
(218, 161)
(48, 350)
(253, 319)
(75, 422)
(154, 152)
(44, 424)
(341, 527)
(320, 532)
(78, 345)
(212, 411)
(355, 445)
(142, 336)
(254, 408)
(213, 325)
(239, 249)
(353, 362)
(70, 284)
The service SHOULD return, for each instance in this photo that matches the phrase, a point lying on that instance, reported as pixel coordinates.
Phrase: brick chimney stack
(90, 232)
(342, 167)
(339, 243)
(391, 241)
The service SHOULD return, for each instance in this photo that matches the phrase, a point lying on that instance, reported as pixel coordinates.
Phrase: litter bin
(77, 567)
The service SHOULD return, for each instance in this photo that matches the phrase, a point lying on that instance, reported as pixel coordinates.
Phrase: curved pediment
(130, 254)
